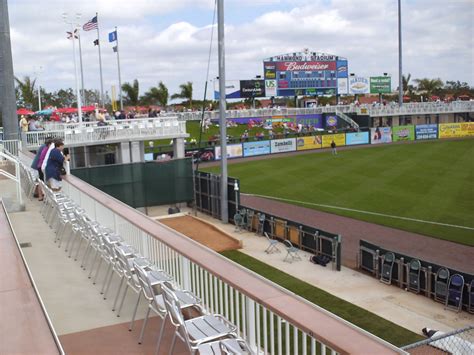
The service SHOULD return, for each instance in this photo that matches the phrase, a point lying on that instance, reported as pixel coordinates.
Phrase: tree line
(27, 93)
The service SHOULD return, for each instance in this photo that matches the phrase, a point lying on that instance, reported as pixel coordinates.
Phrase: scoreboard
(305, 73)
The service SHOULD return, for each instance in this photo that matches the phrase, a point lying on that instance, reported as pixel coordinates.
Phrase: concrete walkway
(406, 309)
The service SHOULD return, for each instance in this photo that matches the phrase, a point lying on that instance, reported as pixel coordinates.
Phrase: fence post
(186, 265)
(401, 280)
(251, 330)
(376, 263)
(428, 274)
(338, 252)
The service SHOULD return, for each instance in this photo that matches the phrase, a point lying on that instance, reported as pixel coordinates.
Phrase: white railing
(114, 131)
(270, 318)
(6, 156)
(11, 146)
(388, 110)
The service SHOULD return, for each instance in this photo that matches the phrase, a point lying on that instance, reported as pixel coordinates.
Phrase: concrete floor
(406, 309)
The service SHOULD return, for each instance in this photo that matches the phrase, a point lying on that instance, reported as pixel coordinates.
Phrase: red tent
(24, 111)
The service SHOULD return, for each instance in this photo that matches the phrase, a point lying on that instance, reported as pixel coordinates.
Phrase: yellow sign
(305, 143)
(456, 130)
(339, 139)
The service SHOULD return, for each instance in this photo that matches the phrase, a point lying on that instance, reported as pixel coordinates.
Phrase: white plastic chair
(272, 245)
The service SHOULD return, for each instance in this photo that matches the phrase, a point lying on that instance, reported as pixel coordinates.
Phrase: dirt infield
(202, 232)
(438, 251)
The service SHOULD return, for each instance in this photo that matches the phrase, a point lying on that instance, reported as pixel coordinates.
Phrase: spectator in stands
(54, 166)
(33, 126)
(23, 124)
(270, 134)
(333, 147)
(122, 115)
(259, 136)
(36, 165)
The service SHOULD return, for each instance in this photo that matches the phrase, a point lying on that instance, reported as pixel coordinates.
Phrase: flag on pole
(96, 42)
(113, 36)
(115, 49)
(69, 35)
(91, 25)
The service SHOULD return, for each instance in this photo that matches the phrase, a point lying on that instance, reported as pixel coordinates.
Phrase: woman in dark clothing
(54, 165)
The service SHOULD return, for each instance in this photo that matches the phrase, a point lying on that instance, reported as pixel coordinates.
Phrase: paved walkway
(441, 252)
(408, 310)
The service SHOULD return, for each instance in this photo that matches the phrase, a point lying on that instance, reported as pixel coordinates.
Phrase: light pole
(400, 75)
(38, 75)
(74, 26)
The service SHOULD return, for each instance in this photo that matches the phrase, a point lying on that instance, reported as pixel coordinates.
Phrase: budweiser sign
(305, 66)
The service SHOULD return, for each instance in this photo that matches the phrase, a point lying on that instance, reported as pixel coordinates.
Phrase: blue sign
(256, 148)
(342, 69)
(331, 121)
(357, 138)
(426, 131)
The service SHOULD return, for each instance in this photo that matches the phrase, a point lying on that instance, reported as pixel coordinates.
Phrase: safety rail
(372, 110)
(114, 131)
(269, 317)
(12, 146)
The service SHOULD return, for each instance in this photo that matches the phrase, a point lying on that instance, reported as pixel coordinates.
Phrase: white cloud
(437, 38)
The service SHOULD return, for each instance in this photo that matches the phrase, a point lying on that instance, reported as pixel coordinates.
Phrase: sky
(169, 40)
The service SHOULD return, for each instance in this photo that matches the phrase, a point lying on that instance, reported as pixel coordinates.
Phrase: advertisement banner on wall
(403, 133)
(256, 148)
(342, 86)
(283, 145)
(305, 143)
(305, 66)
(269, 70)
(380, 85)
(381, 135)
(331, 121)
(426, 131)
(358, 85)
(252, 88)
(339, 139)
(456, 130)
(232, 89)
(233, 151)
(357, 138)
(342, 69)
(270, 88)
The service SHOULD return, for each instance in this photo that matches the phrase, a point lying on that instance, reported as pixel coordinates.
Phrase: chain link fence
(458, 342)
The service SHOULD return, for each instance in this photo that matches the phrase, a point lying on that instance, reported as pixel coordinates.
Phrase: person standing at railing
(36, 165)
(54, 166)
(23, 124)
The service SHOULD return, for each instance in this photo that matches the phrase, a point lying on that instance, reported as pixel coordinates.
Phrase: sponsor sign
(270, 88)
(252, 88)
(358, 85)
(342, 69)
(380, 85)
(305, 66)
(357, 138)
(331, 121)
(283, 145)
(456, 130)
(256, 148)
(381, 135)
(426, 131)
(233, 151)
(232, 89)
(269, 70)
(339, 139)
(304, 56)
(403, 133)
(305, 143)
(342, 86)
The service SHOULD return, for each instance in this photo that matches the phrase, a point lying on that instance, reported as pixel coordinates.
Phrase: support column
(178, 148)
(87, 160)
(136, 152)
(124, 156)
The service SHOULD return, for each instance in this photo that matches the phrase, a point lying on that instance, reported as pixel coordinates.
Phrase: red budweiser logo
(306, 66)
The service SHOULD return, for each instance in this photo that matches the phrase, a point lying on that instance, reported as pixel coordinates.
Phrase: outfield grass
(431, 181)
(364, 319)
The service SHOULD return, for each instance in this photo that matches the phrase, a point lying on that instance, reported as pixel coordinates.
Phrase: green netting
(143, 184)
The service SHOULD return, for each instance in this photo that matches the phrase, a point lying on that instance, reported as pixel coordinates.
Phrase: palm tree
(158, 95)
(407, 88)
(429, 86)
(27, 92)
(186, 93)
(132, 93)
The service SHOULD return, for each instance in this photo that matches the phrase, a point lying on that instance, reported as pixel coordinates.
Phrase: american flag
(90, 25)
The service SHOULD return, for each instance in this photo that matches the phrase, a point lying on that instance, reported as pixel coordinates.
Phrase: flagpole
(119, 75)
(82, 70)
(100, 65)
(78, 93)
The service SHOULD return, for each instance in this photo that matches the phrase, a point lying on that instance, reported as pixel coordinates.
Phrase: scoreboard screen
(305, 73)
